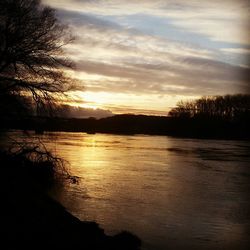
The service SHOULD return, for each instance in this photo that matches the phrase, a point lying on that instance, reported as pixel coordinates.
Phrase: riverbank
(31, 219)
(197, 127)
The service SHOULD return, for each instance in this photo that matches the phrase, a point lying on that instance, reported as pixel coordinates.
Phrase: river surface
(173, 193)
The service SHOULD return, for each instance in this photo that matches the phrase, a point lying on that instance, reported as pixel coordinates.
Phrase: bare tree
(229, 107)
(31, 54)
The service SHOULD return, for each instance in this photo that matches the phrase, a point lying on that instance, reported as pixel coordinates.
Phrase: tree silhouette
(228, 107)
(31, 54)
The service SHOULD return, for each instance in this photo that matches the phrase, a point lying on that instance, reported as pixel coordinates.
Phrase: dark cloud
(80, 112)
(190, 76)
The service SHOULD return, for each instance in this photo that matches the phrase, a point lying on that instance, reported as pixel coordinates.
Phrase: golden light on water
(153, 187)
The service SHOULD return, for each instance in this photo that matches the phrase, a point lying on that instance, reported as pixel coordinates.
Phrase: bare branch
(31, 50)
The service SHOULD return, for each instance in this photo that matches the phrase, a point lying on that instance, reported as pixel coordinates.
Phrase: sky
(143, 56)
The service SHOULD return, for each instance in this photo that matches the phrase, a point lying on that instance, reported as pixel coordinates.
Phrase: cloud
(81, 112)
(146, 49)
(188, 75)
(226, 20)
(237, 50)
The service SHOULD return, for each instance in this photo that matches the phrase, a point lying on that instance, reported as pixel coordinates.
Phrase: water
(172, 193)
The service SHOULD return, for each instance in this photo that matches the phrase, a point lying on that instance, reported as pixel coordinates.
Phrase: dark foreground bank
(30, 219)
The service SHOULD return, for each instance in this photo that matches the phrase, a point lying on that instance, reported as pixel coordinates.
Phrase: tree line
(228, 107)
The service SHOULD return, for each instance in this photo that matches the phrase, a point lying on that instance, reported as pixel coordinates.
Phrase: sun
(92, 100)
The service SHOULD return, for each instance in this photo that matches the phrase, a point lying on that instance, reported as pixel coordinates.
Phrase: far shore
(129, 124)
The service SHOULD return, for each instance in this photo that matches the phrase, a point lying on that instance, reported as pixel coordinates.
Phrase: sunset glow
(125, 124)
(145, 56)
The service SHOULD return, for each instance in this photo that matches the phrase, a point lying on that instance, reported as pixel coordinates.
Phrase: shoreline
(124, 134)
(31, 219)
(217, 129)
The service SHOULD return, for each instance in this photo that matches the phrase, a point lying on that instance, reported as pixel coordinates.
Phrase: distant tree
(183, 110)
(31, 54)
(229, 107)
